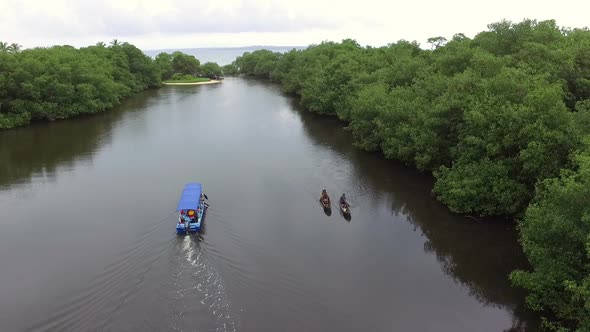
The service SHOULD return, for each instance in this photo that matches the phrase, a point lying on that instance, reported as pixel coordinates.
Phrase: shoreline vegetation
(502, 122)
(61, 82)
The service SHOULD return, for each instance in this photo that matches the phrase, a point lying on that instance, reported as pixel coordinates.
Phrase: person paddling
(324, 198)
(343, 202)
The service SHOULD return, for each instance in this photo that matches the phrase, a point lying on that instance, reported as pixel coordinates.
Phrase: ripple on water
(95, 305)
(198, 290)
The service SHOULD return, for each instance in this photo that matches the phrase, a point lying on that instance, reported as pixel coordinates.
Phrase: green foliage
(518, 121)
(259, 63)
(61, 82)
(185, 64)
(555, 235)
(12, 48)
(163, 62)
(482, 186)
(211, 69)
(230, 70)
(366, 110)
(12, 120)
(142, 67)
(437, 41)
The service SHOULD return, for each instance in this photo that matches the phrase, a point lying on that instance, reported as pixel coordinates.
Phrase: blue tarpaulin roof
(191, 196)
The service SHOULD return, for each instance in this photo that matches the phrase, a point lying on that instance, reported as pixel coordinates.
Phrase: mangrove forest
(501, 120)
(60, 82)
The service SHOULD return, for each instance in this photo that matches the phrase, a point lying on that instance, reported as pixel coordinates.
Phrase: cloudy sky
(158, 24)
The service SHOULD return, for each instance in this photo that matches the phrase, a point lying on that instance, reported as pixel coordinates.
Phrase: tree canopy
(211, 70)
(556, 238)
(230, 69)
(185, 64)
(60, 82)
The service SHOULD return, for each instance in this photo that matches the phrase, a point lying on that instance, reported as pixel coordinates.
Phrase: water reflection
(346, 216)
(43, 148)
(265, 253)
(477, 255)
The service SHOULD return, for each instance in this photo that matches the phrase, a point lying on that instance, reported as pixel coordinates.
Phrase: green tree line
(500, 120)
(61, 82)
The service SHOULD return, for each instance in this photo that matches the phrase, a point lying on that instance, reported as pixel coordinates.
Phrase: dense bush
(230, 70)
(556, 238)
(211, 70)
(61, 81)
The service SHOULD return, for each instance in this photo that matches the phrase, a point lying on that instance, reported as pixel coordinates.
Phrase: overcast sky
(158, 24)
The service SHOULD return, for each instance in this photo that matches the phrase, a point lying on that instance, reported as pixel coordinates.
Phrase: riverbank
(191, 83)
(464, 112)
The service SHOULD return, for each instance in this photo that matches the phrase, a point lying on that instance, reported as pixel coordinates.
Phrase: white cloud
(152, 24)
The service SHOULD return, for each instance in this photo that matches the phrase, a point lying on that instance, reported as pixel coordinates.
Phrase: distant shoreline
(192, 83)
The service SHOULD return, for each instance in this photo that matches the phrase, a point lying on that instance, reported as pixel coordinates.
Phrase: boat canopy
(191, 197)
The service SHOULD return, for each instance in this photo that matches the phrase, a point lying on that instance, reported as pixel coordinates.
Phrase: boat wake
(199, 291)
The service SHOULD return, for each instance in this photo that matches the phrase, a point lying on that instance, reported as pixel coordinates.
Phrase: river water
(87, 228)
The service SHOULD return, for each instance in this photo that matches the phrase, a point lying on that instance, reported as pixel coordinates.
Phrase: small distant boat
(325, 201)
(191, 208)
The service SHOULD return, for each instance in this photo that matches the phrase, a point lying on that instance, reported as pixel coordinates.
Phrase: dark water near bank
(87, 236)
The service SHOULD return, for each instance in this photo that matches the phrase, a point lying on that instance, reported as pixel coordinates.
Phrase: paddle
(205, 196)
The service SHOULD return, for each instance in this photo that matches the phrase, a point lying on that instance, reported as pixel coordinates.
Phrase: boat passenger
(324, 197)
(191, 214)
(343, 200)
(185, 218)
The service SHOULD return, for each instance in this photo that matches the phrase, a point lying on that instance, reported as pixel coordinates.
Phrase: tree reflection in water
(476, 254)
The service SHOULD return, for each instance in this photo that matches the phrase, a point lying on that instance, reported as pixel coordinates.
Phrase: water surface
(87, 236)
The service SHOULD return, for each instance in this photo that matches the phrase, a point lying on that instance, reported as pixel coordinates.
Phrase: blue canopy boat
(192, 209)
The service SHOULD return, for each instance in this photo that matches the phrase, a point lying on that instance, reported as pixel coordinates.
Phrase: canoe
(326, 205)
(345, 208)
(191, 208)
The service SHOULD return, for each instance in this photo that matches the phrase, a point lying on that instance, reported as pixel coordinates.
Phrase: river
(87, 227)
